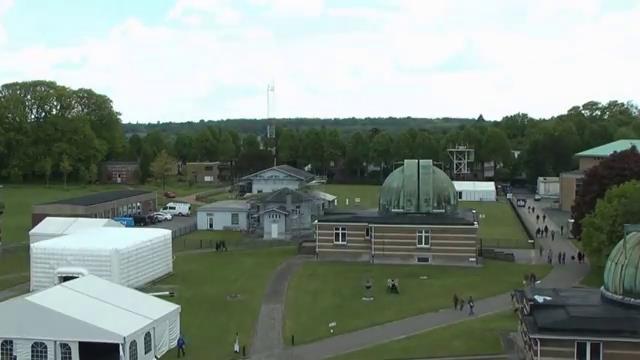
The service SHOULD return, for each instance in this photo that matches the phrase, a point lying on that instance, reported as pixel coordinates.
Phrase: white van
(177, 208)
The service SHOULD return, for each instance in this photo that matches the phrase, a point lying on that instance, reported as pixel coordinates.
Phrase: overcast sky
(179, 60)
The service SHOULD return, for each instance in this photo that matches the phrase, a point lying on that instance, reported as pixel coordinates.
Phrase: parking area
(179, 225)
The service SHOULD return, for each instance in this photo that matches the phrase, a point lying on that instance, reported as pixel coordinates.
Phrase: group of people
(393, 286)
(221, 245)
(458, 303)
(544, 232)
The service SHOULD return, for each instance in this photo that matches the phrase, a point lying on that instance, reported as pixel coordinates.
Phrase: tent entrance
(99, 351)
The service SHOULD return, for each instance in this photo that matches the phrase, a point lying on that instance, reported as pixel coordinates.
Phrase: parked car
(140, 220)
(169, 194)
(177, 208)
(537, 197)
(151, 219)
(162, 216)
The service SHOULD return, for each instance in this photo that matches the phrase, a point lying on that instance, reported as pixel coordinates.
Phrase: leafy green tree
(65, 168)
(226, 148)
(44, 168)
(381, 151)
(357, 152)
(162, 167)
(288, 146)
(603, 228)
(93, 173)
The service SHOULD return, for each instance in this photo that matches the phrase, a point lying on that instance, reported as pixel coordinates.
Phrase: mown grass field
(202, 282)
(480, 336)
(324, 292)
(367, 195)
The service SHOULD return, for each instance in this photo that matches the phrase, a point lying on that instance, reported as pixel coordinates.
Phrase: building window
(367, 232)
(147, 343)
(235, 219)
(39, 351)
(133, 350)
(587, 350)
(65, 352)
(459, 195)
(6, 350)
(340, 235)
(423, 238)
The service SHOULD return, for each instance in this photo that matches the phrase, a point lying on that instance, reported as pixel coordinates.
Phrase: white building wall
(221, 220)
(270, 185)
(270, 218)
(145, 262)
(477, 195)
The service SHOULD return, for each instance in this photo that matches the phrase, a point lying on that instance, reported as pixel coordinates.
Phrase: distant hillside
(257, 127)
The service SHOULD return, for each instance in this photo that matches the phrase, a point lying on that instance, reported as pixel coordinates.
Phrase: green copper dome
(622, 271)
(418, 187)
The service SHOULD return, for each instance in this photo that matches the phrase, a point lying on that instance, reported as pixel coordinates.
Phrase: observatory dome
(418, 187)
(622, 271)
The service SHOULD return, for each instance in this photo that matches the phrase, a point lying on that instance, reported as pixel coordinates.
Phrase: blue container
(124, 220)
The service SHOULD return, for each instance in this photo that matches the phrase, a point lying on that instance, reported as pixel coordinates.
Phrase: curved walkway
(268, 341)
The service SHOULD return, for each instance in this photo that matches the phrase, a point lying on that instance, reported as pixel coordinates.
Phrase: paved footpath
(268, 334)
(268, 341)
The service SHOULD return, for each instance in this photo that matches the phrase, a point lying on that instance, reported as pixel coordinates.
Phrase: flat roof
(226, 205)
(99, 198)
(608, 149)
(580, 312)
(463, 217)
(474, 185)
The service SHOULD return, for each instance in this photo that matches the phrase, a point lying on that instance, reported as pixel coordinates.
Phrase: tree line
(48, 130)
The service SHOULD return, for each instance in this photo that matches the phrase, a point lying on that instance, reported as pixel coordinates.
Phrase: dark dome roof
(622, 271)
(418, 187)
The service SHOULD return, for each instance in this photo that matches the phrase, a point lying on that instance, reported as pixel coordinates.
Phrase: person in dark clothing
(471, 305)
(455, 301)
(559, 257)
(461, 304)
(579, 257)
(181, 344)
(546, 231)
(544, 218)
(553, 235)
(217, 245)
(561, 230)
(564, 257)
(537, 219)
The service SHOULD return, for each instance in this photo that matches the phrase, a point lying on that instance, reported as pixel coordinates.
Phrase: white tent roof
(323, 195)
(85, 309)
(67, 225)
(474, 185)
(103, 238)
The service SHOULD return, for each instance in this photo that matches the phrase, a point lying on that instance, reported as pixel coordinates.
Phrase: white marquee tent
(52, 227)
(89, 316)
(127, 256)
(475, 190)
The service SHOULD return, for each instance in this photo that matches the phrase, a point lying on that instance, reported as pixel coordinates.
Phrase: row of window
(235, 219)
(40, 350)
(423, 236)
(128, 209)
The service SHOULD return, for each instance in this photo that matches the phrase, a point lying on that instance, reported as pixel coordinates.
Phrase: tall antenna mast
(271, 127)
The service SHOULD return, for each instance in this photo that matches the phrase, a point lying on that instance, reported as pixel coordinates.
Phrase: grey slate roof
(280, 196)
(226, 205)
(580, 312)
(101, 197)
(462, 217)
(287, 169)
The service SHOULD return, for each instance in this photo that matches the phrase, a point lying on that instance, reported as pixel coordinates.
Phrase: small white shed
(224, 215)
(475, 190)
(548, 186)
(126, 256)
(88, 318)
(52, 227)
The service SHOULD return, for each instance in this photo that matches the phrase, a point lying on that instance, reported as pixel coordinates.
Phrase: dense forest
(51, 131)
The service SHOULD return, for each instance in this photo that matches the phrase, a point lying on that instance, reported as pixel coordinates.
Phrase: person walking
(559, 257)
(579, 257)
(455, 301)
(461, 303)
(181, 344)
(471, 305)
(537, 219)
(550, 257)
(553, 235)
(546, 231)
(236, 345)
(561, 230)
(544, 218)
(564, 257)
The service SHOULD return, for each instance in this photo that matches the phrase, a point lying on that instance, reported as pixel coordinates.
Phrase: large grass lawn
(324, 292)
(479, 336)
(499, 225)
(368, 195)
(202, 283)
